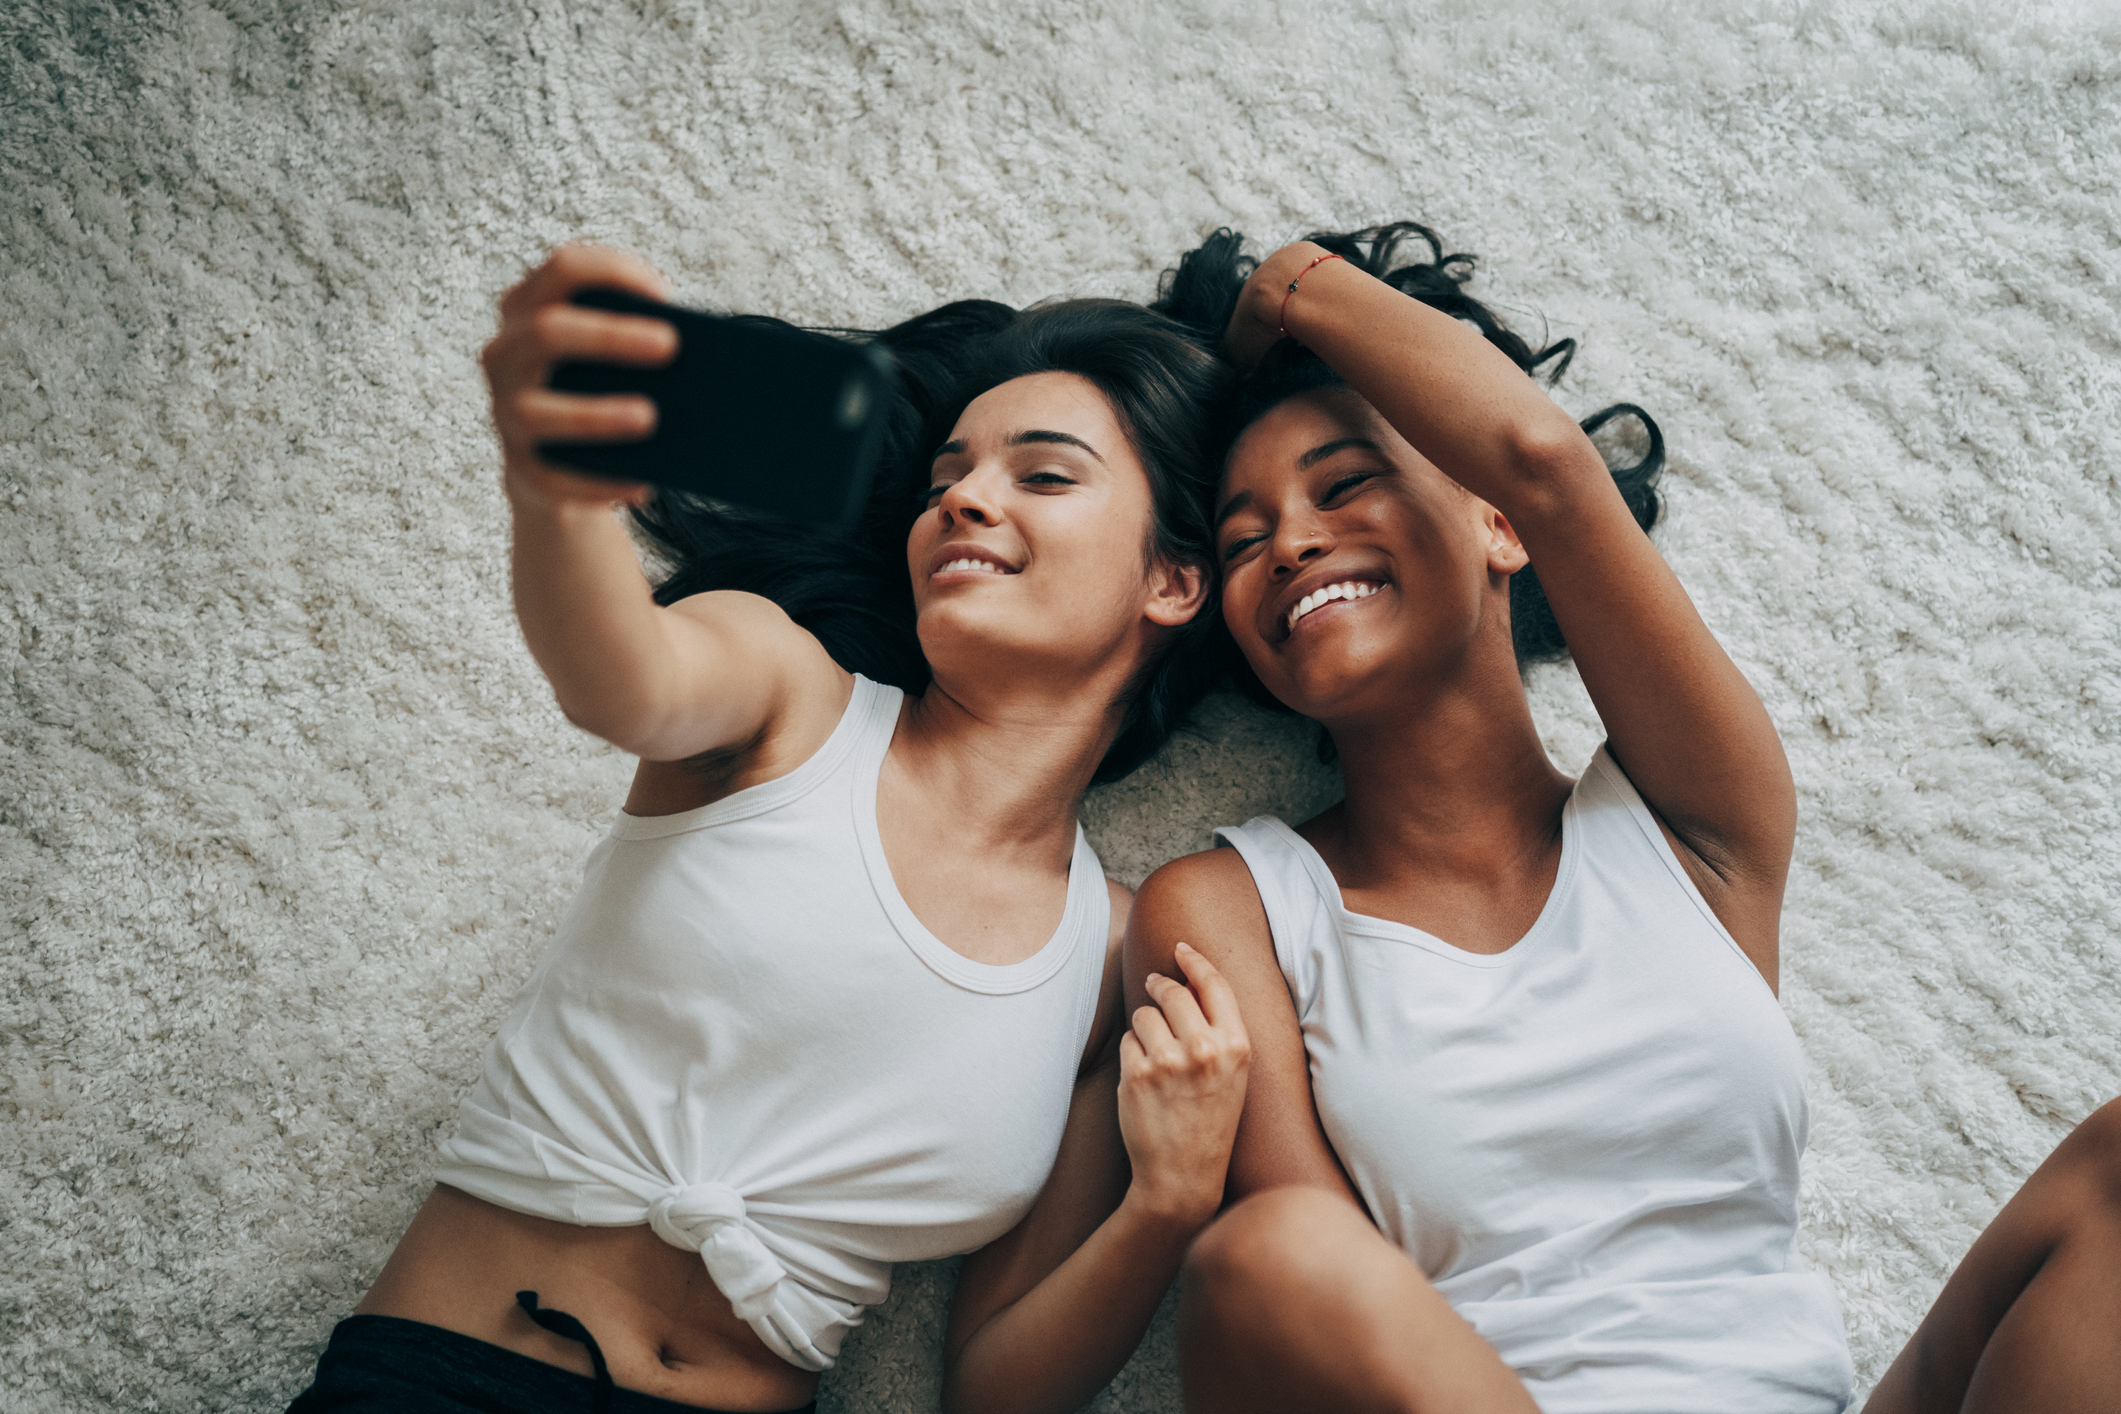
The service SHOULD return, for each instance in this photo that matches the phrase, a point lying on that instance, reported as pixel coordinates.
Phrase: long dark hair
(1203, 290)
(854, 593)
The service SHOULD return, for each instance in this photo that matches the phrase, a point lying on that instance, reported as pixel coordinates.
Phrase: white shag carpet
(286, 812)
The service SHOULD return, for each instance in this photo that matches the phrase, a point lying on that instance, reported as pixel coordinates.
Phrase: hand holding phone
(540, 328)
(750, 411)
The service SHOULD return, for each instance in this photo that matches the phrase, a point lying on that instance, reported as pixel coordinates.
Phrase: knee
(1280, 1239)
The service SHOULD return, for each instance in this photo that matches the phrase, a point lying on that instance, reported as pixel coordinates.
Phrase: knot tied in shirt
(708, 1218)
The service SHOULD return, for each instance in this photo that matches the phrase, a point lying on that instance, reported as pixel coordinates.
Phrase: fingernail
(1187, 946)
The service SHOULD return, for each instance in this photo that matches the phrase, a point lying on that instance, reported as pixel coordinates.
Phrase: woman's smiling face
(1352, 568)
(1035, 540)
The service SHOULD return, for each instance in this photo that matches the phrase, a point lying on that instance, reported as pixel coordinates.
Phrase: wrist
(1180, 1215)
(1320, 281)
(531, 496)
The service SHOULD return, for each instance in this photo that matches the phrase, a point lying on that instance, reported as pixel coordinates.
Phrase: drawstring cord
(567, 1327)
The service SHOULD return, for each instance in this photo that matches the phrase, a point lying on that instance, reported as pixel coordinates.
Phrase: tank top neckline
(766, 795)
(1370, 926)
(997, 979)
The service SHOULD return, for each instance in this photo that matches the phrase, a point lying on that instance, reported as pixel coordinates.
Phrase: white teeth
(1348, 589)
(968, 563)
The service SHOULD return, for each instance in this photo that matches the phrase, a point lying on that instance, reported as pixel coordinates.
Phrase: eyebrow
(1033, 436)
(1326, 449)
(1231, 507)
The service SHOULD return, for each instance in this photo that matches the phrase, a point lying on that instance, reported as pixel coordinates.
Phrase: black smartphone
(751, 411)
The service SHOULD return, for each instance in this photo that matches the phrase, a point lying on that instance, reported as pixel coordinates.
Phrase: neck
(1008, 762)
(1454, 781)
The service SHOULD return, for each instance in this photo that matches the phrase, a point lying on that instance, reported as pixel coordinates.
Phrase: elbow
(1551, 463)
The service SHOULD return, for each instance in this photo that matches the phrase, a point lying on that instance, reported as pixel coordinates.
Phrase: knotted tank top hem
(663, 1028)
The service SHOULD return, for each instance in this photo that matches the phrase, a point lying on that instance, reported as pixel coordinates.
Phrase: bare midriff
(664, 1327)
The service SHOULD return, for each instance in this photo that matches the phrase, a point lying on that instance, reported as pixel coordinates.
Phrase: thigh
(1293, 1302)
(2037, 1300)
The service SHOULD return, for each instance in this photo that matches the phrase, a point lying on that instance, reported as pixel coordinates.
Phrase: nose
(1298, 540)
(970, 499)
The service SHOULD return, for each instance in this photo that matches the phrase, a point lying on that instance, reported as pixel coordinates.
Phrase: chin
(1330, 685)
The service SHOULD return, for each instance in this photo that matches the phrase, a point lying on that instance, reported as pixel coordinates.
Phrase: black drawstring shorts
(380, 1363)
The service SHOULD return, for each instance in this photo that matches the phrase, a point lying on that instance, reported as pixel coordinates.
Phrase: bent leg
(1293, 1302)
(2032, 1318)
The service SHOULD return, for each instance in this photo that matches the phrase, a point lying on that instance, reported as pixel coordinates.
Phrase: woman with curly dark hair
(1529, 1135)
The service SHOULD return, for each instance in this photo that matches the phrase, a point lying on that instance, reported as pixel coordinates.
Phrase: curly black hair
(1202, 292)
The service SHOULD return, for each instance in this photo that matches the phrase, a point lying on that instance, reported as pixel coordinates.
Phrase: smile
(967, 564)
(1328, 594)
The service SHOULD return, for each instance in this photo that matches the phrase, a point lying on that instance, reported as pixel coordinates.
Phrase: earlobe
(1178, 594)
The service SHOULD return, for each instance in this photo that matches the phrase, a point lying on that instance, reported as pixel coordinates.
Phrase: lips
(969, 560)
(1308, 600)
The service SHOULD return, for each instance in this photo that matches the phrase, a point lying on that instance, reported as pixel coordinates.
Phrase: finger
(1178, 1006)
(1155, 1035)
(541, 415)
(582, 267)
(1218, 1002)
(563, 331)
(1131, 1055)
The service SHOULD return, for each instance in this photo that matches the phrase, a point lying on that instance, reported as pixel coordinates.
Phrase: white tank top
(743, 1037)
(1588, 1142)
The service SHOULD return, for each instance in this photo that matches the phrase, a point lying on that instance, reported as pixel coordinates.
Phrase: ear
(1506, 553)
(1176, 593)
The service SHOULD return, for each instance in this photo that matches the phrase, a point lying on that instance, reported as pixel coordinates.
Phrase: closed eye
(1345, 485)
(1048, 478)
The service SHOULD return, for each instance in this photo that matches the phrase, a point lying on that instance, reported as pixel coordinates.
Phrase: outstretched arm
(1680, 717)
(663, 683)
(1046, 1315)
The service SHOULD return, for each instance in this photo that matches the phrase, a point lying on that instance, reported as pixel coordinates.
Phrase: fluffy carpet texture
(286, 812)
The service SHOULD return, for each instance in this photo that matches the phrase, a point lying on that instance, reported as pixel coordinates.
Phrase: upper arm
(1111, 1022)
(756, 695)
(1088, 1181)
(1089, 1176)
(1209, 901)
(1682, 720)
(736, 670)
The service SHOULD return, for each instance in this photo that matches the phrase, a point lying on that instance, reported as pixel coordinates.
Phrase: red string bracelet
(1283, 319)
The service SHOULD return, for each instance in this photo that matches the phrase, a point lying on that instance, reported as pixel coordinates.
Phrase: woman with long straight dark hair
(1528, 1136)
(841, 986)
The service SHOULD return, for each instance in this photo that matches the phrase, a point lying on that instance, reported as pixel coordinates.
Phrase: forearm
(1061, 1342)
(589, 618)
(1460, 401)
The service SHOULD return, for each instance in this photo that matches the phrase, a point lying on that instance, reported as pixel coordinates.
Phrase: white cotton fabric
(743, 1037)
(1590, 1141)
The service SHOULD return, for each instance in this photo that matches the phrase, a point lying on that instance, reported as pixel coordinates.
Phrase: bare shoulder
(781, 709)
(761, 627)
(1206, 899)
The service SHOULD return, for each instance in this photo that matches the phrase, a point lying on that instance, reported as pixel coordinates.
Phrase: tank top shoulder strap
(872, 719)
(863, 731)
(1620, 833)
(1297, 903)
